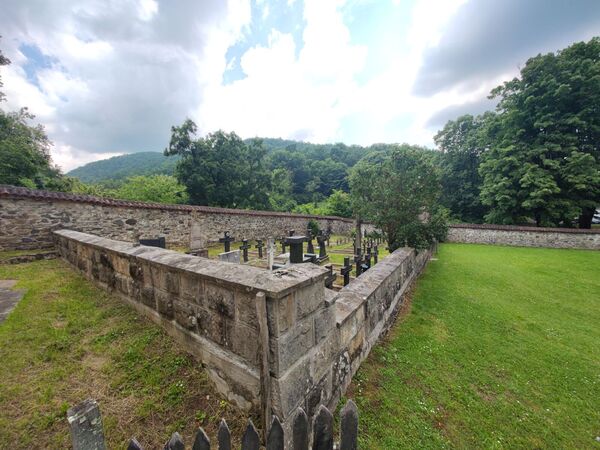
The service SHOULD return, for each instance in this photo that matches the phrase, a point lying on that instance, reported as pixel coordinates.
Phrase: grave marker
(345, 271)
(227, 240)
(259, 245)
(244, 248)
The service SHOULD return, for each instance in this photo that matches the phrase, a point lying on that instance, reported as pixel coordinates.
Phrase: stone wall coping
(8, 191)
(353, 296)
(275, 284)
(487, 226)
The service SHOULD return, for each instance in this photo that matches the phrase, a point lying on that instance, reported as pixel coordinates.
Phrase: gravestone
(259, 246)
(345, 271)
(270, 253)
(309, 236)
(296, 250)
(231, 256)
(158, 242)
(244, 248)
(86, 426)
(227, 240)
(198, 245)
(322, 239)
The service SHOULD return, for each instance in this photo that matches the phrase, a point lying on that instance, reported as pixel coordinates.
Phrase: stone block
(244, 342)
(324, 322)
(308, 299)
(245, 308)
(185, 314)
(220, 299)
(164, 303)
(147, 297)
(291, 346)
(192, 288)
(172, 282)
(290, 390)
(212, 325)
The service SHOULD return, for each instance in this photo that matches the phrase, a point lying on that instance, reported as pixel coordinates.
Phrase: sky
(108, 77)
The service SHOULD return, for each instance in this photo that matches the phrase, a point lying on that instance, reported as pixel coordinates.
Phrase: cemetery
(253, 321)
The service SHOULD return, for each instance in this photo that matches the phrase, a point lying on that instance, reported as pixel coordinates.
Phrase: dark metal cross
(345, 271)
(375, 254)
(227, 240)
(358, 261)
(244, 248)
(259, 245)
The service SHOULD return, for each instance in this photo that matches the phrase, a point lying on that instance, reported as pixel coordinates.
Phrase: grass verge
(499, 350)
(68, 340)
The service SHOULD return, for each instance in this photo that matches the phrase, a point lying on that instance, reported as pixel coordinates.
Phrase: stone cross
(259, 245)
(270, 253)
(321, 239)
(282, 242)
(227, 240)
(310, 248)
(345, 271)
(244, 248)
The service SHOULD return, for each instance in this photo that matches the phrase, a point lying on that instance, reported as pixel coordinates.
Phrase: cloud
(286, 92)
(487, 37)
(112, 77)
(122, 72)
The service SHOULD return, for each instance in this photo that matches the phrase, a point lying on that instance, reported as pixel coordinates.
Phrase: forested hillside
(124, 166)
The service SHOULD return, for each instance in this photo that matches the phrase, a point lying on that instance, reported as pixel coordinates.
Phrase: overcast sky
(112, 77)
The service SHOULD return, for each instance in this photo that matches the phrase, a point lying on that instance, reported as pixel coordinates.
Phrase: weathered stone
(220, 300)
(292, 345)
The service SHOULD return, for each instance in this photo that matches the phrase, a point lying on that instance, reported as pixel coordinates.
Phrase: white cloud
(288, 95)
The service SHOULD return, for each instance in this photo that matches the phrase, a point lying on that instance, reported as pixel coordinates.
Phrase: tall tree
(25, 151)
(462, 141)
(545, 160)
(220, 169)
(153, 188)
(399, 191)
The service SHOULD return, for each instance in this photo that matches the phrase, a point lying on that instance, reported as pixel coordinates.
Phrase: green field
(501, 349)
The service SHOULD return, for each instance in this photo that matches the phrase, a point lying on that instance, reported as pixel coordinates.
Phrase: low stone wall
(525, 236)
(317, 337)
(208, 306)
(28, 217)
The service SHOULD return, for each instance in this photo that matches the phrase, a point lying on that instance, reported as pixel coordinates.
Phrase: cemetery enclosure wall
(28, 217)
(208, 306)
(525, 236)
(316, 337)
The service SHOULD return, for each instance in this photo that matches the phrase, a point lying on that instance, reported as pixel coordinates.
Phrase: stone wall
(525, 236)
(317, 337)
(208, 306)
(28, 217)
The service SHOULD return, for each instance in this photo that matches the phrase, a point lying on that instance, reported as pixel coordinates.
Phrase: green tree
(153, 188)
(399, 192)
(339, 204)
(462, 141)
(280, 197)
(220, 169)
(544, 161)
(25, 151)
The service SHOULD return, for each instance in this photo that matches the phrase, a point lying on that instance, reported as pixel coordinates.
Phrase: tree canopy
(399, 192)
(220, 169)
(538, 157)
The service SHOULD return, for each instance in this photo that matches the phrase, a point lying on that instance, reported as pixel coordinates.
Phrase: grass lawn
(68, 340)
(501, 349)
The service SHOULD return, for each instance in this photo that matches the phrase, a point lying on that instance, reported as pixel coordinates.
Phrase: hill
(121, 167)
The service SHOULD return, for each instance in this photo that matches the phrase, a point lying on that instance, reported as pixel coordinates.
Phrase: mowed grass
(501, 349)
(68, 340)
